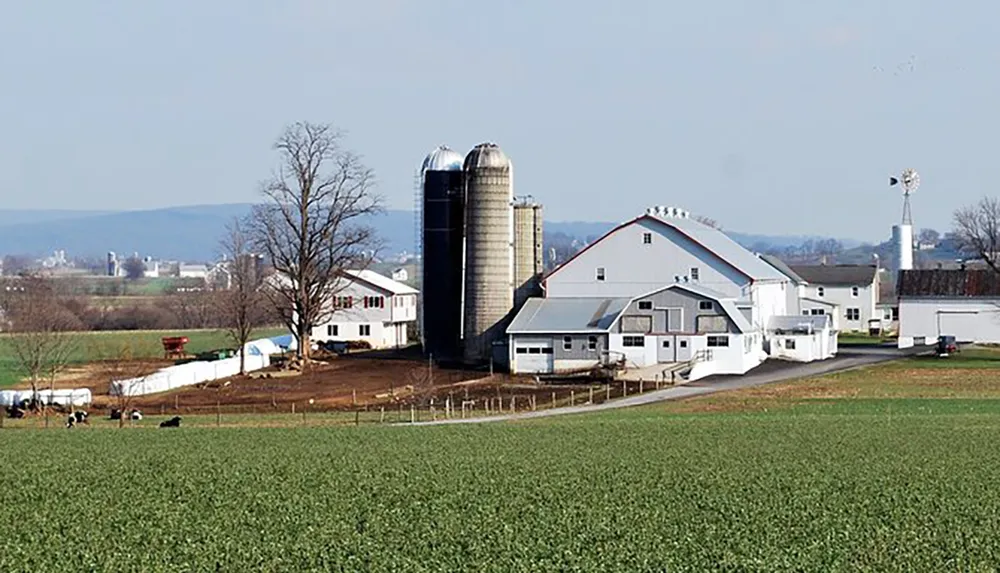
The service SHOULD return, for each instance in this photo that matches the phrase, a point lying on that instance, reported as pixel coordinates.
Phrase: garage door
(533, 357)
(964, 326)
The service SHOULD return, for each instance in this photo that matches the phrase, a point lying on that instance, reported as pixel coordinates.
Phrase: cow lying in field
(174, 422)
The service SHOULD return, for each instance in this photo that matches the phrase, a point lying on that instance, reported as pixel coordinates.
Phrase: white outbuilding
(802, 338)
(964, 303)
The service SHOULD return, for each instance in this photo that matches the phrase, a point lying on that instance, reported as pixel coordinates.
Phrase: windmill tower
(902, 234)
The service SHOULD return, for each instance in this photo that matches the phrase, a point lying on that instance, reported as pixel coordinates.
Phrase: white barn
(687, 329)
(665, 247)
(964, 303)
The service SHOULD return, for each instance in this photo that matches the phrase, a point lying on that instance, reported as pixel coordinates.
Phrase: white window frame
(855, 311)
(717, 341)
(820, 292)
(333, 330)
(629, 341)
(790, 343)
(601, 274)
(694, 274)
(702, 305)
(592, 343)
(567, 343)
(645, 305)
(647, 238)
(855, 291)
(364, 330)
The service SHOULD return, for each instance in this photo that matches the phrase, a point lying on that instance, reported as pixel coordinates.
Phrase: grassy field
(90, 346)
(889, 468)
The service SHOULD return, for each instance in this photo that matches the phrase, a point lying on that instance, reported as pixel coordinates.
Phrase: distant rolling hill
(192, 233)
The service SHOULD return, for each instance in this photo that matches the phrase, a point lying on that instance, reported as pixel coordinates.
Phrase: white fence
(75, 397)
(257, 356)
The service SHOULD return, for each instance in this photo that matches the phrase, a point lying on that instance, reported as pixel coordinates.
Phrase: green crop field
(891, 468)
(89, 346)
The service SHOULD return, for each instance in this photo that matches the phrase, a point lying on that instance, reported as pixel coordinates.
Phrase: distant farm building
(964, 303)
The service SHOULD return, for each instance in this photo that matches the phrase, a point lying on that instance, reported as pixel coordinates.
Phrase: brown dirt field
(334, 384)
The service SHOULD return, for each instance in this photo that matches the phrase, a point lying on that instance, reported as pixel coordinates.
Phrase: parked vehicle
(946, 346)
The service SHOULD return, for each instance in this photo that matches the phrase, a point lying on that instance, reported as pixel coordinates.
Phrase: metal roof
(782, 268)
(567, 315)
(382, 282)
(966, 283)
(725, 248)
(797, 323)
(443, 158)
(837, 275)
(486, 155)
(738, 318)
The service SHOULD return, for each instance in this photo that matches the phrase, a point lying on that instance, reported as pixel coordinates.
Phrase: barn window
(521, 350)
(705, 305)
(790, 343)
(645, 305)
(365, 330)
(718, 341)
(666, 344)
(853, 314)
(854, 292)
(694, 274)
(600, 273)
(634, 341)
(534, 350)
(592, 343)
(331, 330)
(647, 238)
(820, 291)
(547, 350)
(567, 343)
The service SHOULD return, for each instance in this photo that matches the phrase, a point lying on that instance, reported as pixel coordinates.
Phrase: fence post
(591, 401)
(572, 397)
(553, 399)
(640, 385)
(513, 407)
(624, 388)
(293, 408)
(607, 392)
(218, 413)
(354, 397)
(357, 417)
(534, 402)
(381, 415)
(413, 414)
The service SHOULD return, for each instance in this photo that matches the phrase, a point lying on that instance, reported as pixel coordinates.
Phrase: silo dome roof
(486, 155)
(443, 158)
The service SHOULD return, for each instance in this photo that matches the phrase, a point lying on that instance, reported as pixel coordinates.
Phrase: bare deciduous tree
(41, 329)
(314, 225)
(123, 361)
(241, 305)
(977, 228)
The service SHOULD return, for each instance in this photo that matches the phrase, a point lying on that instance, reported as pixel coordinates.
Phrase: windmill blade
(893, 181)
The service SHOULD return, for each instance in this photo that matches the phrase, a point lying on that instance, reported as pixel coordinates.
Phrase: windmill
(910, 180)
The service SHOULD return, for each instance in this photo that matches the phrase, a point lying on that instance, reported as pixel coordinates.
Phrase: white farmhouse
(848, 292)
(370, 307)
(964, 303)
(400, 275)
(681, 329)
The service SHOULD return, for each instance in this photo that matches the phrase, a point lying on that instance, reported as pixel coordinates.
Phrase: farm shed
(802, 338)
(964, 303)
(553, 335)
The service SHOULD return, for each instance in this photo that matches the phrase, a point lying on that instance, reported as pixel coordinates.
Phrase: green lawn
(833, 485)
(91, 346)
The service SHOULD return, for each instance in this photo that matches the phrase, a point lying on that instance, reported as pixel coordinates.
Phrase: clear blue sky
(771, 117)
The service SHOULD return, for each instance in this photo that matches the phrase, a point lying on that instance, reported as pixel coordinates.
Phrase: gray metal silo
(489, 250)
(528, 261)
(441, 242)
